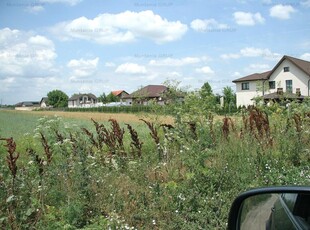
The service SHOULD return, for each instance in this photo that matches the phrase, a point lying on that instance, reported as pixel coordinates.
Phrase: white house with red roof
(289, 79)
(120, 94)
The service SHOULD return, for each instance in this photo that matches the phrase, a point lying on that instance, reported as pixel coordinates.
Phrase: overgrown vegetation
(175, 176)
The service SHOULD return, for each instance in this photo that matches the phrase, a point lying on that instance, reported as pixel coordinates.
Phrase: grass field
(16, 123)
(145, 176)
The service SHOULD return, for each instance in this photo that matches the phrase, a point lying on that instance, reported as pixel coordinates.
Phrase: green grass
(16, 124)
(188, 181)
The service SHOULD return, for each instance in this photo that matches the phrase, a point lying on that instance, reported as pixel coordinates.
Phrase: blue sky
(103, 45)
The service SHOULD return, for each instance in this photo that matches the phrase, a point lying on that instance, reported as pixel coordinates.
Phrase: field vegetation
(181, 172)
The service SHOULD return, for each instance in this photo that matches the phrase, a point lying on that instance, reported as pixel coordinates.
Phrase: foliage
(102, 98)
(229, 97)
(112, 98)
(57, 99)
(150, 175)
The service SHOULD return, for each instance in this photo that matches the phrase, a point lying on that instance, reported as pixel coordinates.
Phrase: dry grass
(100, 117)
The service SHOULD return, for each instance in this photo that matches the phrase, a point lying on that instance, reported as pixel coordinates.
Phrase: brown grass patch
(100, 117)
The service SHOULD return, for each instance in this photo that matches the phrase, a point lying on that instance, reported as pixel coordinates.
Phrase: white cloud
(257, 68)
(305, 56)
(207, 25)
(248, 19)
(109, 64)
(230, 56)
(176, 62)
(205, 70)
(305, 3)
(83, 68)
(131, 68)
(25, 54)
(34, 9)
(252, 52)
(123, 27)
(236, 74)
(282, 12)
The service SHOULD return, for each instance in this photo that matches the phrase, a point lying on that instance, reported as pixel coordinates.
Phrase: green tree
(174, 93)
(206, 91)
(57, 98)
(112, 98)
(229, 97)
(102, 98)
(207, 97)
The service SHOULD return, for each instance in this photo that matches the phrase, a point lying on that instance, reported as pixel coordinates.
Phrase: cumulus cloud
(207, 25)
(176, 61)
(248, 19)
(252, 52)
(230, 56)
(131, 68)
(257, 68)
(282, 12)
(34, 9)
(205, 70)
(305, 56)
(25, 54)
(127, 26)
(83, 68)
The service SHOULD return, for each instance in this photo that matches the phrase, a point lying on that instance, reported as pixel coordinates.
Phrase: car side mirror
(271, 208)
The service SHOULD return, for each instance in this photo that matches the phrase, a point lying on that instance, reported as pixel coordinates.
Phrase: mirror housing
(236, 207)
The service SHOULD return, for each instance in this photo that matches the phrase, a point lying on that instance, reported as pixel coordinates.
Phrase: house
(146, 94)
(120, 94)
(85, 100)
(44, 103)
(289, 79)
(27, 105)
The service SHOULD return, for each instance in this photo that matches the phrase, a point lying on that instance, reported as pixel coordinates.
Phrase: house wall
(244, 96)
(90, 102)
(72, 104)
(30, 108)
(298, 77)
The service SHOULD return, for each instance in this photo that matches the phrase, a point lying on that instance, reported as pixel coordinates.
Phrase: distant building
(146, 94)
(27, 105)
(85, 100)
(120, 94)
(289, 79)
(44, 103)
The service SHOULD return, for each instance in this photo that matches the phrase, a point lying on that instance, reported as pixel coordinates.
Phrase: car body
(290, 211)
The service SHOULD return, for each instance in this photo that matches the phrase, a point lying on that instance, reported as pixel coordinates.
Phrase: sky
(97, 46)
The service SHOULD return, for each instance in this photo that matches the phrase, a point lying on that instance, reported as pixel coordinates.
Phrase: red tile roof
(117, 92)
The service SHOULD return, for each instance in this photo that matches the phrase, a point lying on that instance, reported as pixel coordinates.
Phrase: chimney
(280, 91)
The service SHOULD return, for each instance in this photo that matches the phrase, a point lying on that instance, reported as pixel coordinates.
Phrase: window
(289, 86)
(272, 85)
(286, 69)
(245, 86)
(290, 199)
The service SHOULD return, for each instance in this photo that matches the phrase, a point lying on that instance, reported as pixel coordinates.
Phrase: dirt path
(257, 217)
